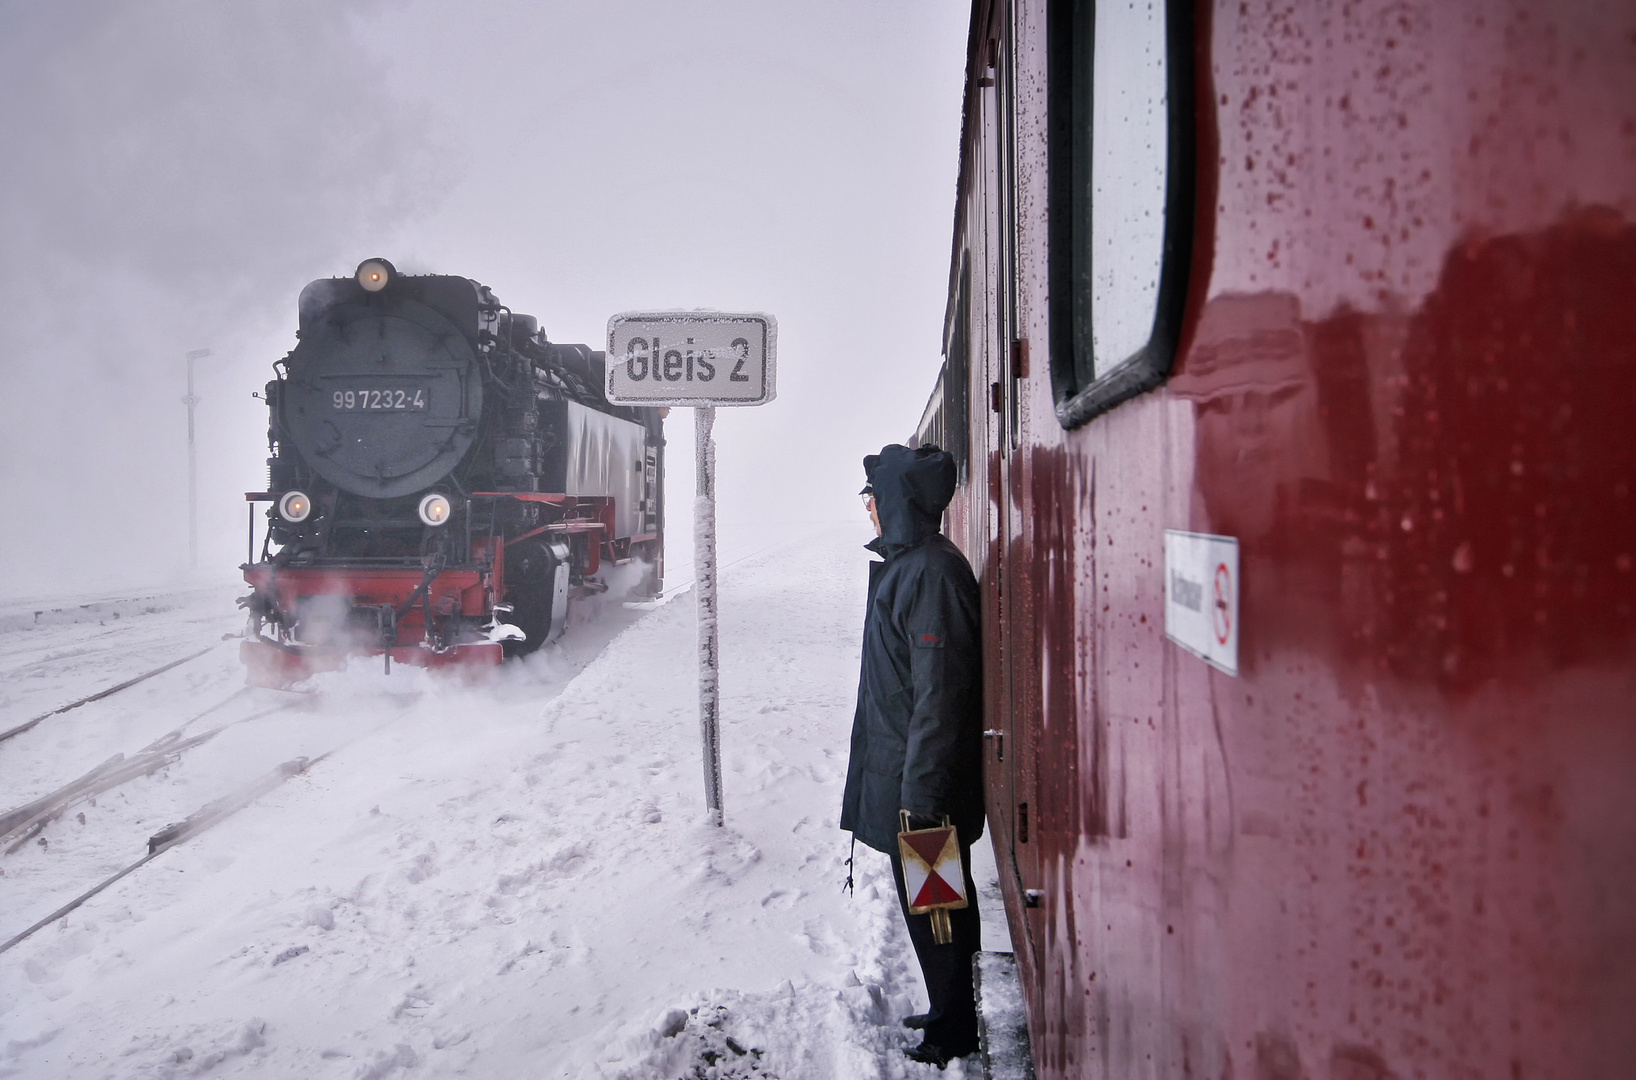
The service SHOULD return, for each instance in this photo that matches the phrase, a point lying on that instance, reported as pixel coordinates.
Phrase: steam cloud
(173, 172)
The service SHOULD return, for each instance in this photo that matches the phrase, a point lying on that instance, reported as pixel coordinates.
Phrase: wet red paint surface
(1402, 842)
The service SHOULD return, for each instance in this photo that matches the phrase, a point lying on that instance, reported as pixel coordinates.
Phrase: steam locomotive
(443, 480)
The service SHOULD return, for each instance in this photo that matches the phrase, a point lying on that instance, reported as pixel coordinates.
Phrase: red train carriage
(1347, 292)
(444, 479)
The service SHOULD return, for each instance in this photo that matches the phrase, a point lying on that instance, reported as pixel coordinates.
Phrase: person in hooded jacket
(917, 742)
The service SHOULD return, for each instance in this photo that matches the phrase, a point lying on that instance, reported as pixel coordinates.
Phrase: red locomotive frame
(1393, 354)
(420, 597)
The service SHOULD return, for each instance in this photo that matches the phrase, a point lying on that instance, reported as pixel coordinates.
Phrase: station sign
(697, 358)
(1201, 596)
(700, 359)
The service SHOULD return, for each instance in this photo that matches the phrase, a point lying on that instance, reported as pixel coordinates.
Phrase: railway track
(171, 835)
(218, 747)
(28, 822)
(107, 692)
(21, 824)
(104, 693)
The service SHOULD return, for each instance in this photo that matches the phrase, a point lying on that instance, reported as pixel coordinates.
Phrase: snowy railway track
(27, 822)
(104, 693)
(178, 832)
(22, 824)
(235, 746)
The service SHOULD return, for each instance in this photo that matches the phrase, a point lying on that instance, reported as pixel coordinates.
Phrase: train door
(1013, 750)
(979, 301)
(979, 298)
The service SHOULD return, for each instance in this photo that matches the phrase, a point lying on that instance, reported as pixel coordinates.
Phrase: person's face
(874, 516)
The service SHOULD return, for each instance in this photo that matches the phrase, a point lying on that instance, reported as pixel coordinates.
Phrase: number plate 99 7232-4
(378, 400)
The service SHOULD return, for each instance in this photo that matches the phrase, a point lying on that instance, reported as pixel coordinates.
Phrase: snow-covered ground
(515, 879)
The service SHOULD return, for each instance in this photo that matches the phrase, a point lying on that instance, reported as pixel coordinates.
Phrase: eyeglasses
(868, 499)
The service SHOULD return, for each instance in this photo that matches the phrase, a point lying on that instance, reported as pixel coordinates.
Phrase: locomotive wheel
(530, 571)
(531, 613)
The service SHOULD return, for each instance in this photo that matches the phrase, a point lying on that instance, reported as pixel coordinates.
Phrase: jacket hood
(912, 488)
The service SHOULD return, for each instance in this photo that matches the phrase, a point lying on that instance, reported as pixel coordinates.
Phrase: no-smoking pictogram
(1222, 616)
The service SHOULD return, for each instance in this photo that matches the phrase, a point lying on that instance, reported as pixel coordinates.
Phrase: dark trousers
(947, 968)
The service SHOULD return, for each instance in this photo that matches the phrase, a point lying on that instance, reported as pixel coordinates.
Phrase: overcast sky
(175, 170)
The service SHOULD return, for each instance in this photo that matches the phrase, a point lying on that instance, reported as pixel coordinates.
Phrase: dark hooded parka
(917, 735)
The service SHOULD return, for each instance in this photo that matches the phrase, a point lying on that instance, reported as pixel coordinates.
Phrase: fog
(173, 172)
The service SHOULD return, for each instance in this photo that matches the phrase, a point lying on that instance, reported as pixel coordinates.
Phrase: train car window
(933, 427)
(957, 377)
(1126, 196)
(1121, 197)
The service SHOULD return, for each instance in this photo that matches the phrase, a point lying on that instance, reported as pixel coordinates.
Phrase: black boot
(928, 1053)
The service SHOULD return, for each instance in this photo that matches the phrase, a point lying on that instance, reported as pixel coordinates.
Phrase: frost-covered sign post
(701, 359)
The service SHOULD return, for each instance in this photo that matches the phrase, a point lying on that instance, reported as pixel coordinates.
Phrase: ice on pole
(704, 574)
(698, 359)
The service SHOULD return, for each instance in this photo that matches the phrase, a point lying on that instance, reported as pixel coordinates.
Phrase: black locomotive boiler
(443, 480)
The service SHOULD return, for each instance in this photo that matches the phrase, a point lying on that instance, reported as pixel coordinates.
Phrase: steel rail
(164, 751)
(100, 694)
(195, 823)
(171, 835)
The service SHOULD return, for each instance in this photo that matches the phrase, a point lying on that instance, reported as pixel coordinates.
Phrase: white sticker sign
(1201, 596)
(691, 358)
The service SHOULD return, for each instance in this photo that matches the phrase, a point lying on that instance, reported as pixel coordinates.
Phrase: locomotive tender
(1352, 285)
(443, 480)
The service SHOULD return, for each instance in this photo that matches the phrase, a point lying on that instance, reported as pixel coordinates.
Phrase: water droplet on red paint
(1463, 559)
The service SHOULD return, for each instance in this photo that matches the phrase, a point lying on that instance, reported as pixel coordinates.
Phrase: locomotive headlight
(295, 506)
(373, 274)
(434, 509)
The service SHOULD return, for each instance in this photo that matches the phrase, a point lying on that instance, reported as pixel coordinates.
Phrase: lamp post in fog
(192, 465)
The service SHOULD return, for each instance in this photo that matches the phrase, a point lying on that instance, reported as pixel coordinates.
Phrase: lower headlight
(295, 506)
(434, 509)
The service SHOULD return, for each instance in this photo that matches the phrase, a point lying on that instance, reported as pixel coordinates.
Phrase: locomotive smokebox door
(383, 396)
